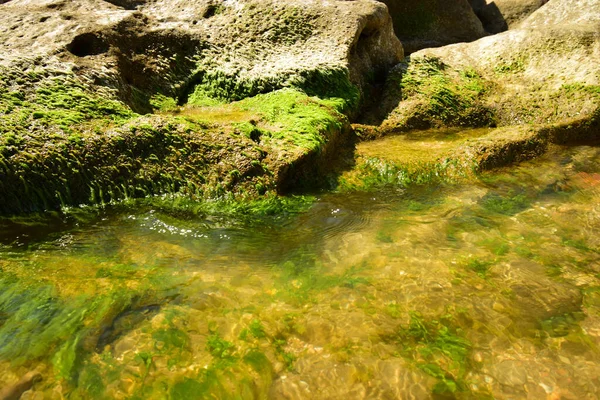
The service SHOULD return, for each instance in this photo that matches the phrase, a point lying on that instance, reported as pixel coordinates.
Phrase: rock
(543, 73)
(536, 296)
(72, 74)
(510, 373)
(432, 23)
(242, 47)
(499, 15)
(15, 391)
(504, 146)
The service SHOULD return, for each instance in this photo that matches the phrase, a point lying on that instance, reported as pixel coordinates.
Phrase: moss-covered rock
(62, 145)
(235, 50)
(544, 74)
(249, 97)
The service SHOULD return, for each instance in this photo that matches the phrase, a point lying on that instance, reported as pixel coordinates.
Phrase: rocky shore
(102, 101)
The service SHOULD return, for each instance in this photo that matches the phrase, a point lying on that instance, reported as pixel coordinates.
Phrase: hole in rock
(88, 44)
(212, 10)
(127, 4)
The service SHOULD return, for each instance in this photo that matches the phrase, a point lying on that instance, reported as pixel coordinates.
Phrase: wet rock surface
(162, 45)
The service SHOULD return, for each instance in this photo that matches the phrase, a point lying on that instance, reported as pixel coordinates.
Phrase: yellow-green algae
(61, 144)
(480, 289)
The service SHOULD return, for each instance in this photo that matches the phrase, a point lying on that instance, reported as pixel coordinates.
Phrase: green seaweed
(373, 173)
(438, 348)
(510, 204)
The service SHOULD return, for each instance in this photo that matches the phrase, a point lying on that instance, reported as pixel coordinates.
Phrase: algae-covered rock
(544, 73)
(76, 78)
(432, 23)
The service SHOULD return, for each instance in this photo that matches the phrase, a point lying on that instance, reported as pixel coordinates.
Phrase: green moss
(511, 67)
(579, 87)
(296, 118)
(163, 103)
(451, 97)
(62, 102)
(248, 211)
(67, 159)
(331, 85)
(200, 98)
(373, 173)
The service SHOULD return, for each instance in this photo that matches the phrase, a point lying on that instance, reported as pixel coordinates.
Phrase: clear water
(484, 289)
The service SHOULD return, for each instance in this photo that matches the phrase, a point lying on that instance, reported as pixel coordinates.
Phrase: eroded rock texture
(238, 48)
(75, 75)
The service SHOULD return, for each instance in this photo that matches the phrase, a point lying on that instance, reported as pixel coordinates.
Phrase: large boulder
(76, 75)
(433, 23)
(544, 73)
(242, 47)
(499, 15)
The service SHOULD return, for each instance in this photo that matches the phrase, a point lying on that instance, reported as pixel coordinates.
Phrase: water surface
(485, 289)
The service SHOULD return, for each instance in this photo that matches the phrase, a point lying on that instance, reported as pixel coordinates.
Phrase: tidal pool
(488, 288)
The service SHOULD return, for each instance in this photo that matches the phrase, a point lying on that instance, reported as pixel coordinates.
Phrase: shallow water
(485, 289)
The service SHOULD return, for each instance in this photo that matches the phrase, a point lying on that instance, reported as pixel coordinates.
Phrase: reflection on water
(488, 289)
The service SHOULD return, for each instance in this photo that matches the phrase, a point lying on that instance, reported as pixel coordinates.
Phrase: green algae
(36, 321)
(295, 117)
(452, 97)
(332, 85)
(247, 211)
(505, 204)
(439, 349)
(85, 148)
(55, 102)
(374, 173)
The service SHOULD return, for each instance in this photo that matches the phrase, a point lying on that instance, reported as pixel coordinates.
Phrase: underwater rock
(15, 391)
(536, 296)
